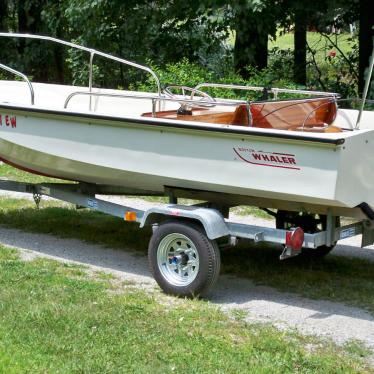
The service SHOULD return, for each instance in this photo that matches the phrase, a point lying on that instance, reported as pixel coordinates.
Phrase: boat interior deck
(318, 114)
(315, 115)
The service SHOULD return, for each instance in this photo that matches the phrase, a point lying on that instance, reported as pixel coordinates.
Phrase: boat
(303, 159)
(302, 154)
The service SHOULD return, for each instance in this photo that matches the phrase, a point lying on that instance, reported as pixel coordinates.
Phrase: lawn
(285, 41)
(10, 172)
(334, 278)
(316, 41)
(56, 318)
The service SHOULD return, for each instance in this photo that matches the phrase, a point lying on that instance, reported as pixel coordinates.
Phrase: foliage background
(246, 42)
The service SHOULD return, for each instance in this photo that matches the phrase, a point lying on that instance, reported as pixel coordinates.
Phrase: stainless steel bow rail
(157, 99)
(24, 77)
(275, 91)
(160, 97)
(92, 53)
(366, 88)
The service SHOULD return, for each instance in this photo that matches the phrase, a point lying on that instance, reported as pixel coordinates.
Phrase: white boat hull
(142, 156)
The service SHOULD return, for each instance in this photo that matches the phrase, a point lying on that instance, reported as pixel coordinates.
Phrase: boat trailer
(183, 251)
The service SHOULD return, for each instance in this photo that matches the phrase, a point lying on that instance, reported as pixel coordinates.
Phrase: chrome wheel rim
(178, 259)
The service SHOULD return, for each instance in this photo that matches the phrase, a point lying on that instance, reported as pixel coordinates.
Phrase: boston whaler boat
(306, 161)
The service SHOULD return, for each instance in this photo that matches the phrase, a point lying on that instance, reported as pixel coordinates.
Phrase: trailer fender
(212, 220)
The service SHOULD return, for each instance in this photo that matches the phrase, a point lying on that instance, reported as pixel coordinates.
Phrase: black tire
(209, 259)
(310, 223)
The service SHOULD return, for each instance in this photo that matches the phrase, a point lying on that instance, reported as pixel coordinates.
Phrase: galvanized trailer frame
(211, 221)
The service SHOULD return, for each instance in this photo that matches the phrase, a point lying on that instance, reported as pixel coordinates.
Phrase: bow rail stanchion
(24, 77)
(92, 53)
(366, 89)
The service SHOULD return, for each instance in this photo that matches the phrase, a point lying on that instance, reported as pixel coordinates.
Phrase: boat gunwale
(156, 122)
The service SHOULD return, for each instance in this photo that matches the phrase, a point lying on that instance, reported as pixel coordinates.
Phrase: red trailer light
(295, 239)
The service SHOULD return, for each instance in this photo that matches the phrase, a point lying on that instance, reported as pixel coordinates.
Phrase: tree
(251, 40)
(3, 14)
(161, 31)
(300, 43)
(366, 35)
(318, 15)
(164, 31)
(253, 22)
(4, 26)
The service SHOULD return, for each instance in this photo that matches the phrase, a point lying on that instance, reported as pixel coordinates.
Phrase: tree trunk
(59, 50)
(365, 40)
(33, 52)
(251, 44)
(3, 27)
(300, 50)
(3, 14)
(22, 17)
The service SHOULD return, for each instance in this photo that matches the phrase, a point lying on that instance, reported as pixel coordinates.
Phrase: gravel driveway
(319, 317)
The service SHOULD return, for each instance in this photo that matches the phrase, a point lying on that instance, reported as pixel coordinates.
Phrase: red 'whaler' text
(261, 158)
(274, 158)
(8, 120)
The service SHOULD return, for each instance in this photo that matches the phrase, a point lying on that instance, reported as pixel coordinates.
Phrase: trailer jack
(37, 198)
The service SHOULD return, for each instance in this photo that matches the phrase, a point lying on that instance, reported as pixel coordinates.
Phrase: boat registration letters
(8, 120)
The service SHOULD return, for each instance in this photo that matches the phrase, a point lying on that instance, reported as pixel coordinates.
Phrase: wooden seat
(238, 118)
(285, 115)
(313, 115)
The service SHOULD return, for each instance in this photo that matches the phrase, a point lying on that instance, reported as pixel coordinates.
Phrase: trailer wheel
(311, 224)
(183, 261)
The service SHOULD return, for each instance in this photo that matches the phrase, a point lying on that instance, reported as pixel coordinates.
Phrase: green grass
(242, 210)
(342, 279)
(336, 278)
(55, 320)
(250, 211)
(65, 221)
(21, 176)
(315, 41)
(324, 71)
